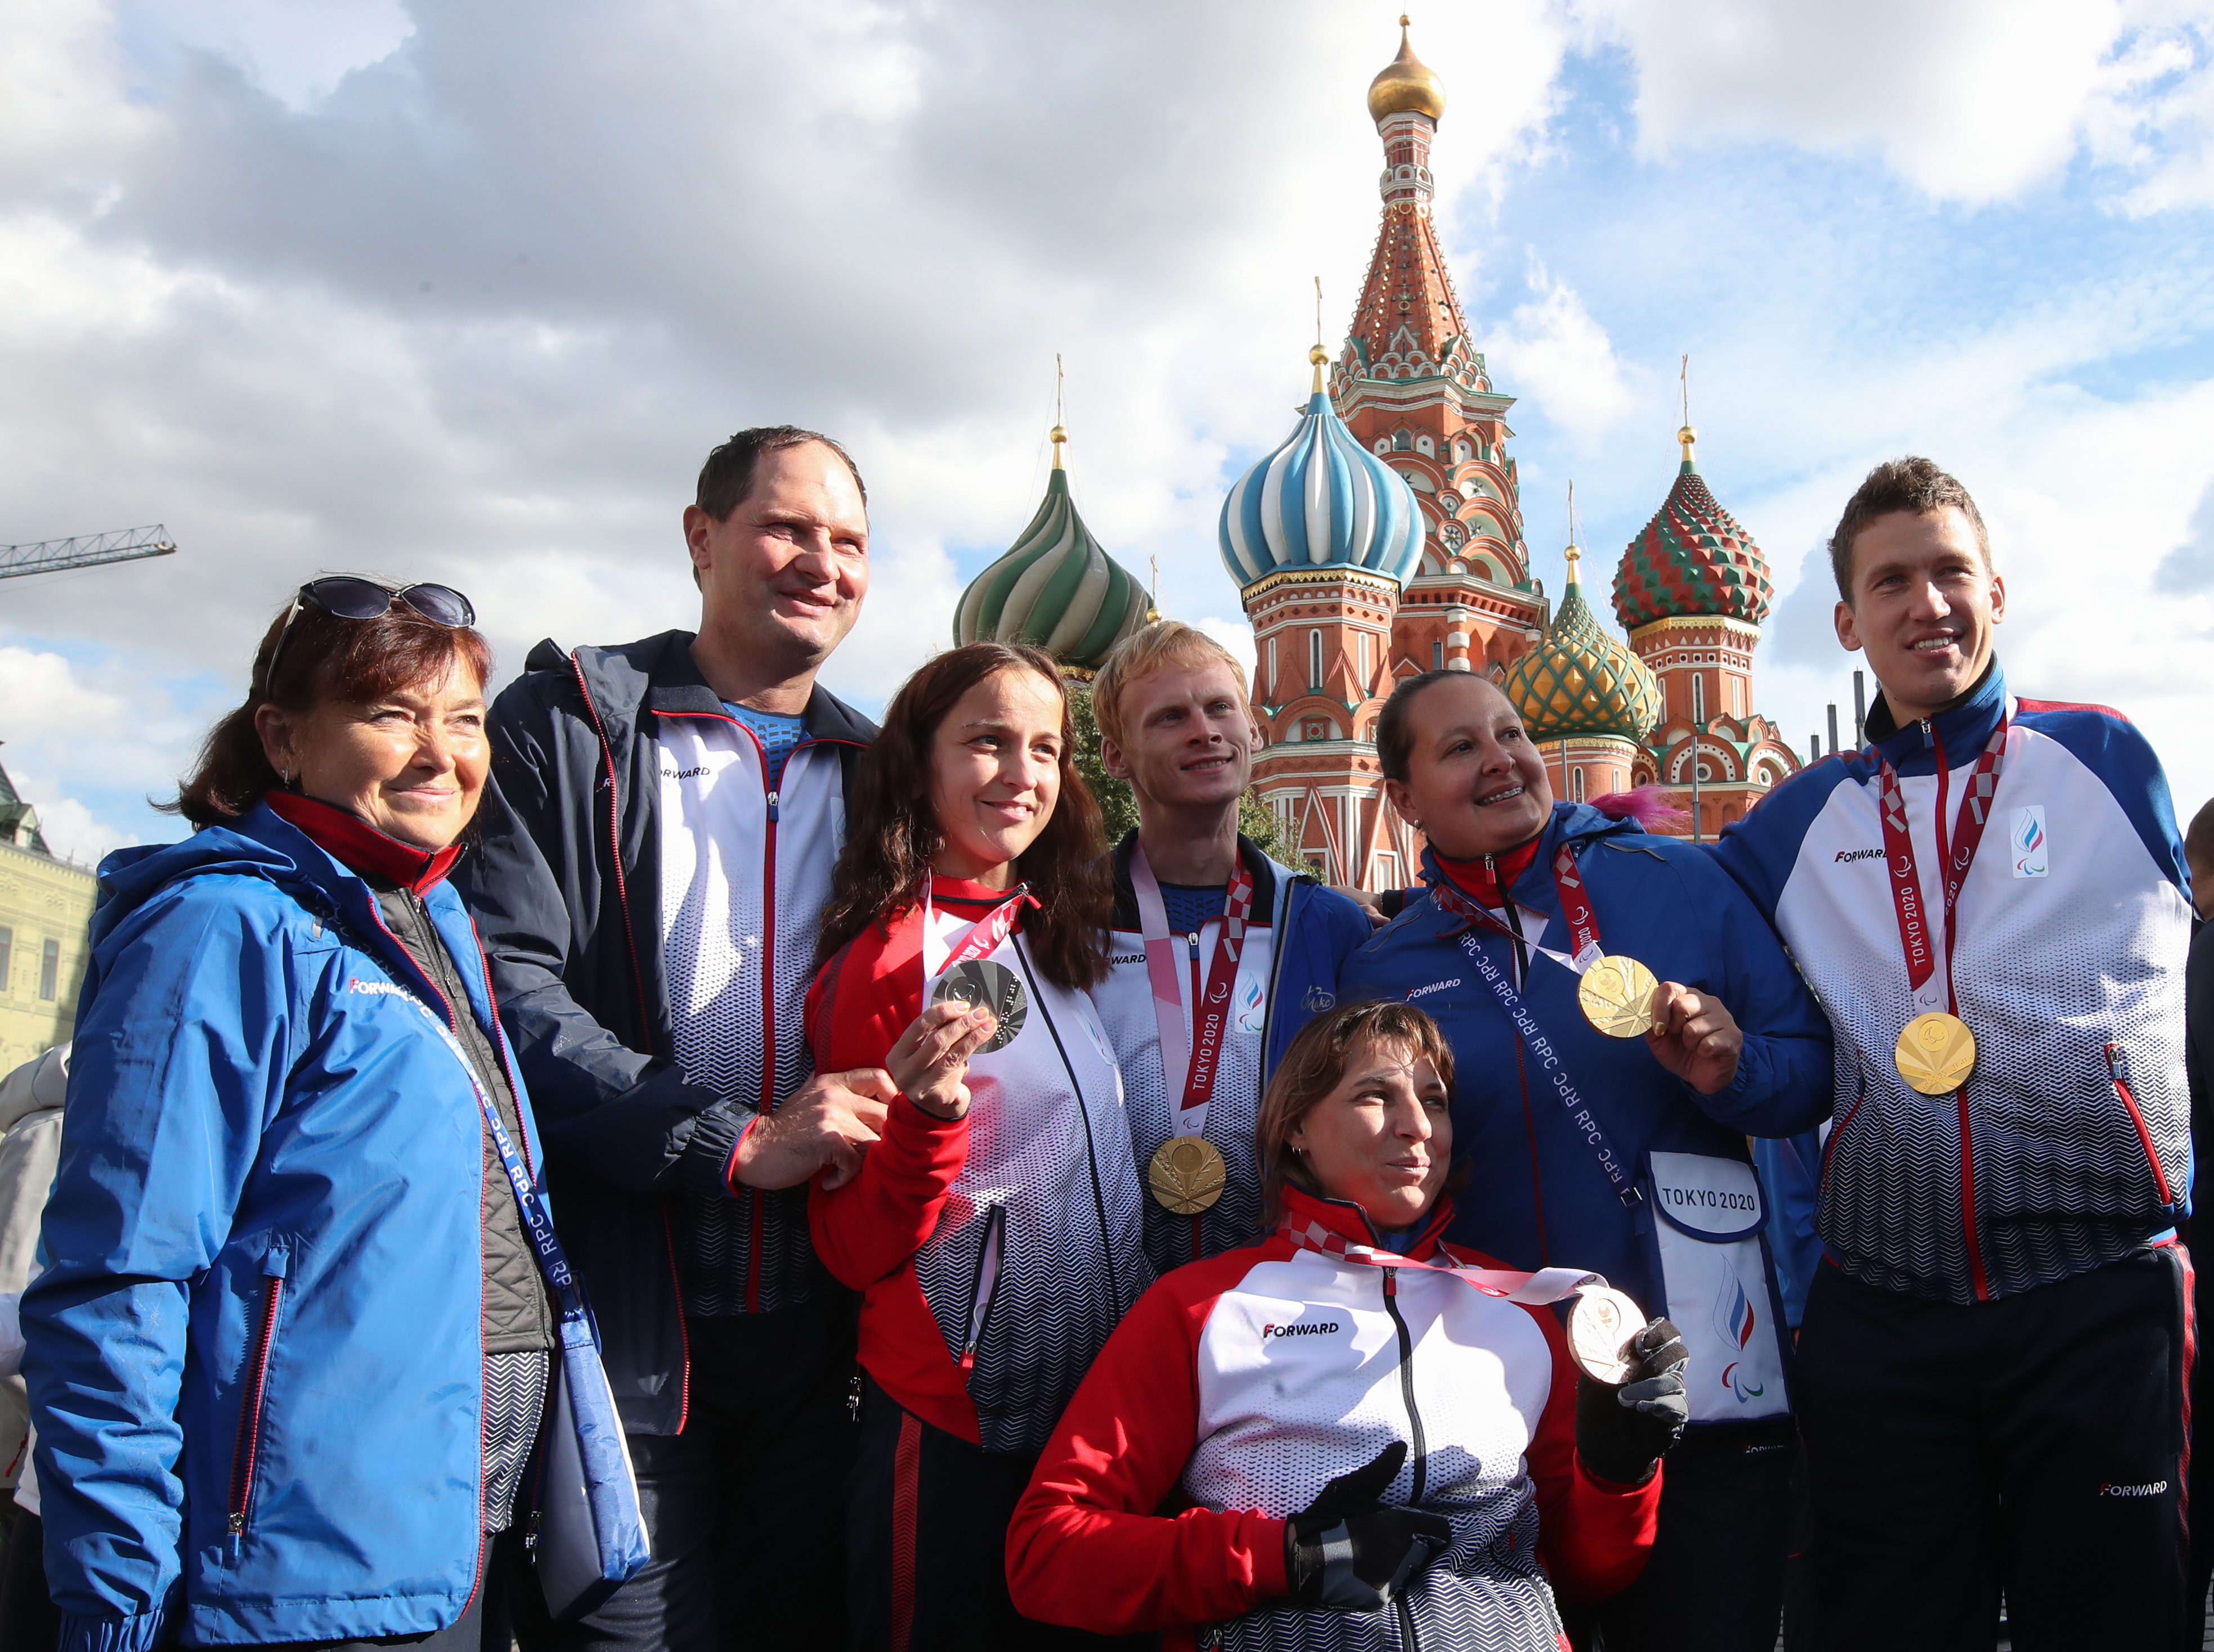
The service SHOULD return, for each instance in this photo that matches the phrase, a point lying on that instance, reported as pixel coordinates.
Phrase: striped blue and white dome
(1322, 500)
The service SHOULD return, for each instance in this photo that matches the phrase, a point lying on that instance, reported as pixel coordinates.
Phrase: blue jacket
(1536, 1194)
(255, 1359)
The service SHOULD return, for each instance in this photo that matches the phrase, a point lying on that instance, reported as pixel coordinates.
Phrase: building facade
(1345, 605)
(45, 904)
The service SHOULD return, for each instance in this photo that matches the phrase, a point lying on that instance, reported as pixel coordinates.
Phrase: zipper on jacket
(1084, 1112)
(989, 1255)
(1408, 1639)
(1977, 1277)
(768, 1022)
(2118, 1073)
(1419, 1455)
(247, 1452)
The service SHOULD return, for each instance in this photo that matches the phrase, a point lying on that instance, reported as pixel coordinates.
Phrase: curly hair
(892, 836)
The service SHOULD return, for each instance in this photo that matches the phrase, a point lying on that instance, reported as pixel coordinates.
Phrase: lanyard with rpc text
(1621, 1177)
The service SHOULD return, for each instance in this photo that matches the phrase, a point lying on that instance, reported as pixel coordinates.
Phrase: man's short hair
(2198, 840)
(727, 477)
(1166, 643)
(1914, 485)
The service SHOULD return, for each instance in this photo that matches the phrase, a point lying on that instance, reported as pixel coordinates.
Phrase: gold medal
(1936, 1053)
(1617, 996)
(1187, 1174)
(1600, 1327)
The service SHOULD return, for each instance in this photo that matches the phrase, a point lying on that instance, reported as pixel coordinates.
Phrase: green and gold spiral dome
(1580, 683)
(1056, 589)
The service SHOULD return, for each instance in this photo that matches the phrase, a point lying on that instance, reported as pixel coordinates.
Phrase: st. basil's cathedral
(1383, 539)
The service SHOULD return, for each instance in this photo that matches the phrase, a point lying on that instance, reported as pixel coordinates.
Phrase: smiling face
(1382, 1138)
(783, 575)
(1924, 605)
(1188, 738)
(1475, 784)
(411, 764)
(995, 775)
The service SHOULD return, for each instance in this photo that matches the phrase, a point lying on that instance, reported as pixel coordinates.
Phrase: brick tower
(1414, 389)
(1691, 590)
(1320, 536)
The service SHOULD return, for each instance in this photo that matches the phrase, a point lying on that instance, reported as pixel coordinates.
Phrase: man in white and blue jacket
(1994, 1356)
(1624, 1156)
(1174, 724)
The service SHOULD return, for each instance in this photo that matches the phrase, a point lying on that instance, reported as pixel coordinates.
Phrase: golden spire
(1057, 435)
(1574, 555)
(1406, 84)
(1317, 354)
(1687, 436)
(1154, 602)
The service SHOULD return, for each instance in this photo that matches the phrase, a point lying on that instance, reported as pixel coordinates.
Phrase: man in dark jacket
(659, 841)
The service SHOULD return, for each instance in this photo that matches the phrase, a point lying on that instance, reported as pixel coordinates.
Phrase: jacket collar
(656, 674)
(360, 847)
(1574, 823)
(1263, 869)
(1351, 1223)
(1963, 728)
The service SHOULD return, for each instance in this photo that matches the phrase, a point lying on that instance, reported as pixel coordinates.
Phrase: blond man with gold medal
(1991, 901)
(1219, 954)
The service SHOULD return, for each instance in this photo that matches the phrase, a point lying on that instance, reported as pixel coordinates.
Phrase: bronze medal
(1617, 996)
(1936, 1053)
(1600, 1327)
(1187, 1174)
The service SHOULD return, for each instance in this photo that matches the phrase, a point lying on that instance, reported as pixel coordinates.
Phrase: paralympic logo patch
(2029, 842)
(1735, 1318)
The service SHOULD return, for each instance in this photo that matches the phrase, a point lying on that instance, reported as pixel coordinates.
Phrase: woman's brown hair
(892, 838)
(325, 658)
(1313, 1067)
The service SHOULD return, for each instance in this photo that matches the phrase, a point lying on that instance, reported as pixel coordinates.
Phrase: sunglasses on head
(347, 596)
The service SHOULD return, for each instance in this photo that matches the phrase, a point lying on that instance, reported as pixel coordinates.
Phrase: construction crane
(86, 551)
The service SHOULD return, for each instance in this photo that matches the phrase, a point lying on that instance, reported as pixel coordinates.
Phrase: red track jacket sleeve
(1593, 1535)
(861, 1002)
(1087, 1548)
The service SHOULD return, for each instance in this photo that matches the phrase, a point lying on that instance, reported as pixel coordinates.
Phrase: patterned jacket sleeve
(1086, 1547)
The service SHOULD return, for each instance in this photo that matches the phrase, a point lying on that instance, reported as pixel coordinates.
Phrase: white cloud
(1969, 100)
(1553, 353)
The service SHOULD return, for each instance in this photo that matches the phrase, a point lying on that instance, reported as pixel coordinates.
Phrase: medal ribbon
(984, 937)
(1199, 1058)
(1955, 855)
(1620, 1176)
(1532, 1290)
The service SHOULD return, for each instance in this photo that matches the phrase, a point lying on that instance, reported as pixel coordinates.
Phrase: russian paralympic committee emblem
(1735, 1318)
(2029, 842)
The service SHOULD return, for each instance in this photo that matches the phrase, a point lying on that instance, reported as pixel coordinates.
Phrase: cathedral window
(1403, 441)
(1576, 783)
(1314, 659)
(1437, 657)
(1276, 679)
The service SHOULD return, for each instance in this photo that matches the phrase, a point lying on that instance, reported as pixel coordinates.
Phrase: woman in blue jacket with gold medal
(1623, 1018)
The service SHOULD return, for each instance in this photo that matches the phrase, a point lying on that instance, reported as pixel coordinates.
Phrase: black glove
(1348, 1552)
(1623, 1433)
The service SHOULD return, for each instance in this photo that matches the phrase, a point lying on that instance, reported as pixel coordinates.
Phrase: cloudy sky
(465, 291)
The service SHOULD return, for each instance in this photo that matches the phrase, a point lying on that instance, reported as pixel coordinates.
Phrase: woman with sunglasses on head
(294, 1343)
(995, 1226)
(1352, 1435)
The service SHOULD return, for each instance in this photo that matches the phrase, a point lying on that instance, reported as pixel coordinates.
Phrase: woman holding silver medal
(1374, 1438)
(994, 1228)
(1625, 1019)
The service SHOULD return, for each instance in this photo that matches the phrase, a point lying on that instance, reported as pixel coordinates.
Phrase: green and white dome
(1056, 589)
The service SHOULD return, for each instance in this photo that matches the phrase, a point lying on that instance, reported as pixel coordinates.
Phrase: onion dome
(1056, 589)
(1322, 500)
(1407, 83)
(1580, 683)
(1693, 558)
